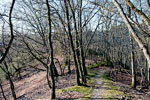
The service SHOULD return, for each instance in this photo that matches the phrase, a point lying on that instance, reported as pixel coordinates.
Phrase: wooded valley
(74, 49)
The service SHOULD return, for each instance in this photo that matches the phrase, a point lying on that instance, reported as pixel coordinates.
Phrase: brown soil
(35, 86)
(124, 80)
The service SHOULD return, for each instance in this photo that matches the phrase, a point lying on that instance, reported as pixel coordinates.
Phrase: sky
(4, 1)
(5, 4)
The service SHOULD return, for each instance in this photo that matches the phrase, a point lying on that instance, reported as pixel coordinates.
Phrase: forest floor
(107, 88)
(34, 87)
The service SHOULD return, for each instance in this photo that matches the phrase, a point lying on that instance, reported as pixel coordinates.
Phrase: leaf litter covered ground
(34, 87)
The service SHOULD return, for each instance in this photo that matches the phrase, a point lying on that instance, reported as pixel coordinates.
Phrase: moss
(84, 90)
(102, 63)
(94, 65)
(91, 75)
(111, 91)
(60, 91)
(104, 76)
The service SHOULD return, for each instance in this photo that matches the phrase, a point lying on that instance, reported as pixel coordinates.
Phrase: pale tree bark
(139, 12)
(133, 84)
(133, 33)
(53, 96)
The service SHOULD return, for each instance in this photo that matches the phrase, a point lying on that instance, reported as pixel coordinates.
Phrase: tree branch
(11, 30)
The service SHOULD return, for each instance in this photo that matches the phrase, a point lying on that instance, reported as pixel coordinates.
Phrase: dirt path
(98, 90)
(114, 90)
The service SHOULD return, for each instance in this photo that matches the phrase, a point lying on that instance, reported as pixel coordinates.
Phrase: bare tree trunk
(133, 33)
(55, 71)
(80, 41)
(133, 84)
(77, 42)
(83, 60)
(11, 31)
(52, 65)
(60, 67)
(12, 87)
(72, 45)
(148, 74)
(53, 96)
(80, 66)
(139, 12)
(68, 61)
(2, 90)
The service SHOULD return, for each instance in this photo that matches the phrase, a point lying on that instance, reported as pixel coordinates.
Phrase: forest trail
(98, 90)
(107, 89)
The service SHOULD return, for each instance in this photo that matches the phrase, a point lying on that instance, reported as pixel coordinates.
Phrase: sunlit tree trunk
(131, 30)
(133, 84)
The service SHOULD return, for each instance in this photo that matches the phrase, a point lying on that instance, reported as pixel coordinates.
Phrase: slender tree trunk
(133, 84)
(148, 74)
(55, 71)
(80, 67)
(53, 96)
(77, 42)
(60, 67)
(52, 65)
(139, 12)
(12, 87)
(83, 60)
(132, 32)
(11, 31)
(2, 90)
(81, 44)
(69, 56)
(71, 41)
(68, 61)
(47, 76)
